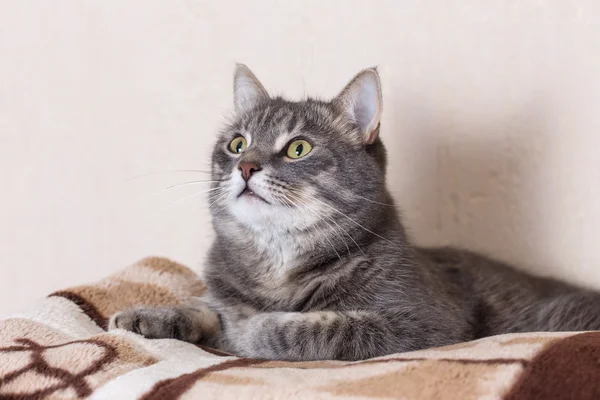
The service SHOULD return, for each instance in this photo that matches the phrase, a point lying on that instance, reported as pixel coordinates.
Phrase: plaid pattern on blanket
(61, 350)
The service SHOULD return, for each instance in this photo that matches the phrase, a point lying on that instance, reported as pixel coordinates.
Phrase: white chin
(253, 210)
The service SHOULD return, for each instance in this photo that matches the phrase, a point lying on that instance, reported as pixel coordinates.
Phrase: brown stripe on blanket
(337, 364)
(175, 387)
(566, 369)
(38, 364)
(100, 303)
(88, 308)
(37, 361)
(212, 351)
(488, 361)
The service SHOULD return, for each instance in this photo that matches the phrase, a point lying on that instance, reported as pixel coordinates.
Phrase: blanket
(61, 350)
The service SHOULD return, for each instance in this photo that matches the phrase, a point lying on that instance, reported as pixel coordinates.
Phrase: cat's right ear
(247, 89)
(361, 102)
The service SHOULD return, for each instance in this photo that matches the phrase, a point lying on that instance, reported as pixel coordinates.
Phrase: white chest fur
(277, 254)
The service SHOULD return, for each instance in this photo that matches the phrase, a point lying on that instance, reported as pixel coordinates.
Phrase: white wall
(491, 121)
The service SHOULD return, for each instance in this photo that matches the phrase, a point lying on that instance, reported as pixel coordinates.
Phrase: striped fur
(321, 268)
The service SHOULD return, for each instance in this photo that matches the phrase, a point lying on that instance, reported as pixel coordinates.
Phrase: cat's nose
(248, 168)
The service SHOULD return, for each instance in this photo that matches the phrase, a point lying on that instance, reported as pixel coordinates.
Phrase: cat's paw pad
(157, 323)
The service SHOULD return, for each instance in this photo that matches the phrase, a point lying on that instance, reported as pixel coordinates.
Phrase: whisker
(293, 208)
(367, 230)
(186, 213)
(339, 235)
(322, 233)
(321, 214)
(193, 195)
(373, 201)
(183, 184)
(198, 207)
(330, 243)
(327, 238)
(219, 197)
(347, 233)
(339, 226)
(167, 172)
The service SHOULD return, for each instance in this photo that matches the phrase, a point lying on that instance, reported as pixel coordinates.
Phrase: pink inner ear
(373, 134)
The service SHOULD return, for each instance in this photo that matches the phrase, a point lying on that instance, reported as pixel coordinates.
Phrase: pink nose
(248, 168)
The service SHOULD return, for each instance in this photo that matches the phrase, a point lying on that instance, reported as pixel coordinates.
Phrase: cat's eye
(298, 149)
(238, 145)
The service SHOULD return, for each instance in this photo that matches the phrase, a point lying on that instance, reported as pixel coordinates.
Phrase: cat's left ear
(362, 103)
(247, 89)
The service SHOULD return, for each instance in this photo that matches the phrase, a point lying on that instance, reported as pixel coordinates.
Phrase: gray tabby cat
(311, 260)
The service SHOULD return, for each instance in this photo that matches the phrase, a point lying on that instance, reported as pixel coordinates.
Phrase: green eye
(238, 145)
(298, 149)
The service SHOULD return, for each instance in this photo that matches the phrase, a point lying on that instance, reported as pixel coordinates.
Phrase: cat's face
(294, 165)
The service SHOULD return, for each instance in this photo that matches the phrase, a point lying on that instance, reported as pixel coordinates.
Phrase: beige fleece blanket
(61, 350)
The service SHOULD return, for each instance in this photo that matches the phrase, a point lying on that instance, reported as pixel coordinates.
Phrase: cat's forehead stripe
(264, 117)
(288, 128)
(246, 134)
(280, 116)
(282, 140)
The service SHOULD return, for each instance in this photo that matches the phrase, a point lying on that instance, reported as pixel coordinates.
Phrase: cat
(311, 260)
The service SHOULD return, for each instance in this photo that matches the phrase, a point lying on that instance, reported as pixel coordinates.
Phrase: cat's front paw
(161, 323)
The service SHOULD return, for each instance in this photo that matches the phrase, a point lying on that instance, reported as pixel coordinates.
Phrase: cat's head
(294, 165)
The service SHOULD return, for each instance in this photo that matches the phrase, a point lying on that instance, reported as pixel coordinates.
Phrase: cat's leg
(575, 311)
(318, 335)
(194, 322)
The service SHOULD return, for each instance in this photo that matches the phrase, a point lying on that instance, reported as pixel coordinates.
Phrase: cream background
(491, 121)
